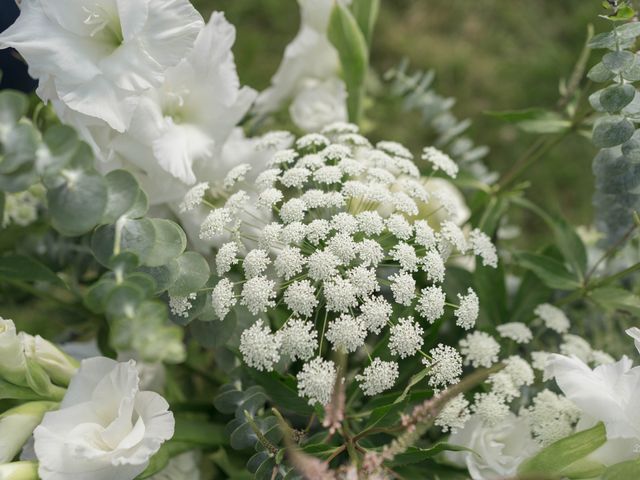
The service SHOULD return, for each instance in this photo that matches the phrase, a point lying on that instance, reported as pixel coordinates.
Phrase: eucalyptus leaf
(191, 272)
(600, 74)
(13, 106)
(616, 97)
(122, 191)
(612, 130)
(616, 62)
(78, 204)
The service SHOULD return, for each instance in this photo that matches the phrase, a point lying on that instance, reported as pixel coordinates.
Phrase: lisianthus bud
(17, 425)
(19, 471)
(12, 360)
(58, 365)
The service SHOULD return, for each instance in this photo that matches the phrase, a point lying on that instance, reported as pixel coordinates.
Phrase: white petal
(634, 332)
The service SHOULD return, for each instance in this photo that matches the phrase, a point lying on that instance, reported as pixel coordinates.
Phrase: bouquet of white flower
(221, 283)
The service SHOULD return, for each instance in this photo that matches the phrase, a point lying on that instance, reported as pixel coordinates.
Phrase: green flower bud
(17, 425)
(13, 364)
(58, 365)
(19, 471)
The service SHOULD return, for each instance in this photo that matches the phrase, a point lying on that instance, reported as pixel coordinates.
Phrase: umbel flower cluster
(348, 239)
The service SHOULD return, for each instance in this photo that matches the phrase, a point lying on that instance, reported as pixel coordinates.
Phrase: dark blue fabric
(14, 70)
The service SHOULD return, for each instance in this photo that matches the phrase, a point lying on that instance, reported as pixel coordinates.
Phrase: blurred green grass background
(488, 54)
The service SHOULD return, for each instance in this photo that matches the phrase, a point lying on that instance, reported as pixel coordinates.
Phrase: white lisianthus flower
(17, 425)
(96, 56)
(308, 73)
(105, 428)
(609, 394)
(497, 450)
(179, 129)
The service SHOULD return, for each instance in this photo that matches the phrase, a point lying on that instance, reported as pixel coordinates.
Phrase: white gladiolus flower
(496, 451)
(96, 57)
(122, 427)
(608, 393)
(318, 103)
(17, 425)
(309, 73)
(179, 129)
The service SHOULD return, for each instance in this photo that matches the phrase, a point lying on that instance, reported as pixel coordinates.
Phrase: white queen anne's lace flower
(122, 427)
(259, 347)
(516, 331)
(316, 381)
(479, 349)
(553, 317)
(378, 377)
(342, 250)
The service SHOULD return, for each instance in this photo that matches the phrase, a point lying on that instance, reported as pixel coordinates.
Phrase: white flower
(259, 347)
(300, 297)
(551, 417)
(122, 427)
(289, 262)
(491, 407)
(257, 294)
(433, 265)
(576, 345)
(378, 377)
(215, 223)
(346, 333)
(406, 337)
(403, 287)
(17, 425)
(223, 298)
(608, 393)
(479, 349)
(13, 364)
(226, 257)
(454, 415)
(181, 305)
(319, 103)
(309, 56)
(516, 331)
(445, 366)
(440, 161)
(180, 130)
(553, 317)
(454, 235)
(467, 311)
(431, 303)
(255, 263)
(376, 312)
(483, 247)
(340, 294)
(316, 380)
(496, 451)
(299, 339)
(193, 197)
(539, 360)
(96, 57)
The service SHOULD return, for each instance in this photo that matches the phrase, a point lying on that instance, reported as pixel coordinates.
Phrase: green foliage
(614, 132)
(350, 42)
(566, 457)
